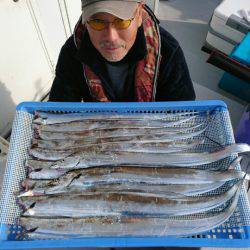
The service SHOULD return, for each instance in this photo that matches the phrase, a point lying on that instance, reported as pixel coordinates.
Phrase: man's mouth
(111, 48)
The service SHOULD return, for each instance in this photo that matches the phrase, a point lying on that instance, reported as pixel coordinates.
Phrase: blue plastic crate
(233, 233)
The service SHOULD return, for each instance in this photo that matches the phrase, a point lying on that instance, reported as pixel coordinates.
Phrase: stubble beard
(115, 56)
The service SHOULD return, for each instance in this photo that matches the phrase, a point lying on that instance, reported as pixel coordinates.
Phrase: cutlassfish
(125, 226)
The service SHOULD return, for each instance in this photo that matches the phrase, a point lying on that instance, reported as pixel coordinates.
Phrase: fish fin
(32, 205)
(74, 178)
(32, 230)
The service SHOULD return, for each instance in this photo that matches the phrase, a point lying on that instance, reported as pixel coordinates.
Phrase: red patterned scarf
(145, 69)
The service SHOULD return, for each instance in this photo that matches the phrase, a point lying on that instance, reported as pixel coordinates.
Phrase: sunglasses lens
(118, 23)
(96, 24)
(122, 24)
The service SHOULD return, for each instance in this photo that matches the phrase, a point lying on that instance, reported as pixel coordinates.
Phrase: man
(119, 53)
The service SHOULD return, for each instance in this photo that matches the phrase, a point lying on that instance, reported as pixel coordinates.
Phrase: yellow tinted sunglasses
(118, 23)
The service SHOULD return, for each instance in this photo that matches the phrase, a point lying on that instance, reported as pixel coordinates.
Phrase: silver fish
(47, 174)
(33, 165)
(68, 163)
(162, 147)
(82, 160)
(71, 182)
(156, 148)
(44, 154)
(93, 126)
(154, 175)
(176, 175)
(124, 226)
(48, 118)
(123, 134)
(108, 204)
(164, 191)
(151, 175)
(75, 144)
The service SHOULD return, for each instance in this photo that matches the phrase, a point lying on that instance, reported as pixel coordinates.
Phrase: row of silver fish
(125, 174)
(138, 146)
(60, 159)
(45, 118)
(80, 206)
(112, 135)
(145, 180)
(91, 126)
(61, 228)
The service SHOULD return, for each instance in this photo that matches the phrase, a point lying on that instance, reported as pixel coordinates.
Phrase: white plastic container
(229, 24)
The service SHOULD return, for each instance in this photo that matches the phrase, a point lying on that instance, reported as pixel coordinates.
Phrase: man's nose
(112, 33)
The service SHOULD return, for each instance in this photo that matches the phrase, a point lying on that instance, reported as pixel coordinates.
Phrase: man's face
(113, 43)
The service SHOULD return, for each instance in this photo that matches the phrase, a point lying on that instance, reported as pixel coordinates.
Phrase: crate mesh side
(15, 171)
(219, 132)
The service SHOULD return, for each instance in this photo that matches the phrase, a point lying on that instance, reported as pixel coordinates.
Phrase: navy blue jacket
(69, 85)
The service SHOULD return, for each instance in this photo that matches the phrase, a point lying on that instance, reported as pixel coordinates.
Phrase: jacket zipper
(159, 52)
